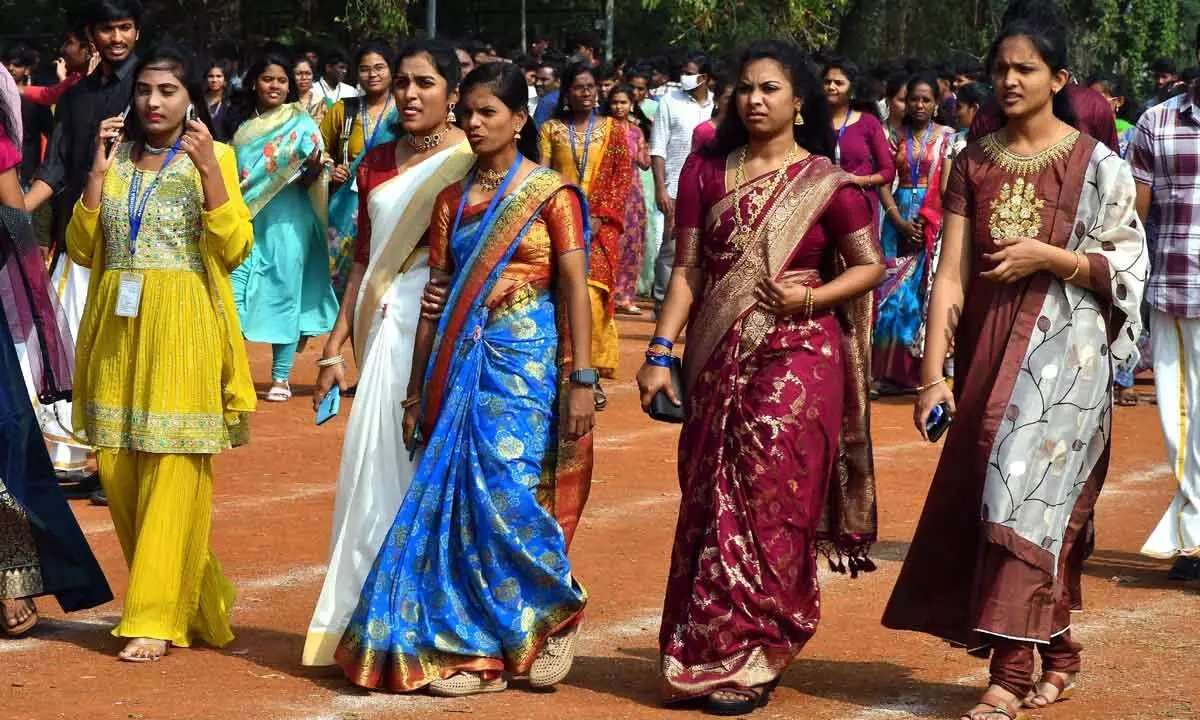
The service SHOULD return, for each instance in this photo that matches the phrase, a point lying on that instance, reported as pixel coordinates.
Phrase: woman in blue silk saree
(473, 580)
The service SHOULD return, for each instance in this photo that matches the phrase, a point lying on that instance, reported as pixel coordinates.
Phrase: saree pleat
(42, 548)
(473, 575)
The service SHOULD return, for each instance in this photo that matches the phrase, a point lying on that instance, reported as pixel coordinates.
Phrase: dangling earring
(516, 135)
(799, 119)
(450, 118)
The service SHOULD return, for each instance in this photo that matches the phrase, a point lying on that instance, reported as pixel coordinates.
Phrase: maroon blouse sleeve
(957, 198)
(362, 243)
(850, 224)
(987, 120)
(881, 149)
(689, 212)
(1094, 115)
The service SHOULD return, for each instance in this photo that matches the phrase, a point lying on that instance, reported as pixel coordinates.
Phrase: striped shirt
(1165, 154)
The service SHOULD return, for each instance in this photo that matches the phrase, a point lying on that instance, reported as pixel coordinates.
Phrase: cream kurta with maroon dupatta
(1000, 544)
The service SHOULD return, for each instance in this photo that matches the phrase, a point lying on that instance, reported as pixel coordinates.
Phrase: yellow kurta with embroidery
(174, 379)
(554, 142)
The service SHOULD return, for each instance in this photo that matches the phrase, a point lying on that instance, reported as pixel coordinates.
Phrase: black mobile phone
(417, 440)
(938, 422)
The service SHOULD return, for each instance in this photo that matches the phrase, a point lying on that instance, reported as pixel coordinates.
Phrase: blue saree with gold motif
(474, 573)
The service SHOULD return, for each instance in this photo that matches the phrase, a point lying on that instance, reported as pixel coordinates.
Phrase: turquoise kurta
(283, 290)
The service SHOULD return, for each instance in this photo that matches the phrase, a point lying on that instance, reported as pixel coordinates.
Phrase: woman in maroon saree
(777, 254)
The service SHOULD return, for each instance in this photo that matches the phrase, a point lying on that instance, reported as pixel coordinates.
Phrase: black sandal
(749, 699)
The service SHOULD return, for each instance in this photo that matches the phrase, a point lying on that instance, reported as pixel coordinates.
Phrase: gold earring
(450, 118)
(799, 119)
(517, 135)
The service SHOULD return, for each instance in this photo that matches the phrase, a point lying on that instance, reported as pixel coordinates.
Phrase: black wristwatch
(585, 377)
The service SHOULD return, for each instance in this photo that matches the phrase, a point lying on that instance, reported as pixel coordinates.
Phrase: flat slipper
(24, 627)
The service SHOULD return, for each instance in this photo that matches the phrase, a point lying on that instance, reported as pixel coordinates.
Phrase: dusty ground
(275, 499)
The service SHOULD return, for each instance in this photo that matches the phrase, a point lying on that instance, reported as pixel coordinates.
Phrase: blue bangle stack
(660, 359)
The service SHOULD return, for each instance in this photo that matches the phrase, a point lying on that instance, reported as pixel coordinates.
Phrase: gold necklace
(423, 143)
(488, 180)
(754, 203)
(997, 151)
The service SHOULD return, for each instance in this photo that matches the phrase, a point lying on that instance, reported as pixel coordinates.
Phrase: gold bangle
(1078, 265)
(410, 402)
(939, 381)
(808, 303)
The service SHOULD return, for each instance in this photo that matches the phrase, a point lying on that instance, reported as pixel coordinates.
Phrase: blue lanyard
(491, 209)
(137, 207)
(914, 168)
(837, 148)
(587, 143)
(366, 120)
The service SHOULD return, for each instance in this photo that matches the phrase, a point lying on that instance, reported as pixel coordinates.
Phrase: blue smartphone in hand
(328, 409)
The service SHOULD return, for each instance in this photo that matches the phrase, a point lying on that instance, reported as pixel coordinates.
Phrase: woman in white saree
(397, 184)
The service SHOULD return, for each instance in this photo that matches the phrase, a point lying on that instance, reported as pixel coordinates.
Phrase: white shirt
(671, 138)
(330, 94)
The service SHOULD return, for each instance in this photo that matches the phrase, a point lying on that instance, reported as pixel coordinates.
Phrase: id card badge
(129, 296)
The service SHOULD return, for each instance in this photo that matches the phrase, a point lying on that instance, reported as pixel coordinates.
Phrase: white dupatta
(1059, 418)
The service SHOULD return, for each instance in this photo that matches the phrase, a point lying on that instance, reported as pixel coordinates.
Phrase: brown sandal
(1128, 397)
(1063, 683)
(24, 626)
(991, 707)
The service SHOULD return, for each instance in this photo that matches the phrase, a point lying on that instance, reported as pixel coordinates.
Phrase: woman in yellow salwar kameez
(590, 151)
(162, 380)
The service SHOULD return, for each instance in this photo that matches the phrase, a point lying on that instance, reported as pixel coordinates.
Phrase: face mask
(689, 82)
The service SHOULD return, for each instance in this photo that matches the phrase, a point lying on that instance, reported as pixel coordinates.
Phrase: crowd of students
(819, 239)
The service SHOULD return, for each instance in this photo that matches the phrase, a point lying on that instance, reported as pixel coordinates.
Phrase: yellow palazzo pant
(161, 507)
(606, 346)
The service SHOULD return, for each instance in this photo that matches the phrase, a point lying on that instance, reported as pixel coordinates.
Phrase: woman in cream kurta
(161, 393)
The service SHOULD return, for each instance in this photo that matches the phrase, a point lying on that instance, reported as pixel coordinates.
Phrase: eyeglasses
(380, 70)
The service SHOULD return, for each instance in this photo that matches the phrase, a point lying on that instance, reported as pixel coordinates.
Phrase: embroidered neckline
(1011, 162)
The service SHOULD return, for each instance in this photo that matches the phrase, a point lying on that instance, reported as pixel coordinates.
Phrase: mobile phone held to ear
(938, 422)
(114, 141)
(190, 116)
(330, 404)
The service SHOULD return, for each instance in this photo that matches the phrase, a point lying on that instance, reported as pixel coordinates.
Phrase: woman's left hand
(582, 412)
(1017, 259)
(433, 299)
(781, 299)
(197, 142)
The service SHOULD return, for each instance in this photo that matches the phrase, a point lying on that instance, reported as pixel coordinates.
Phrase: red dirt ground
(275, 499)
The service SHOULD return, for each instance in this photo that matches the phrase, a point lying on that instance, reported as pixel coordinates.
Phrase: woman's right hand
(110, 130)
(341, 175)
(327, 377)
(927, 400)
(651, 379)
(412, 418)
